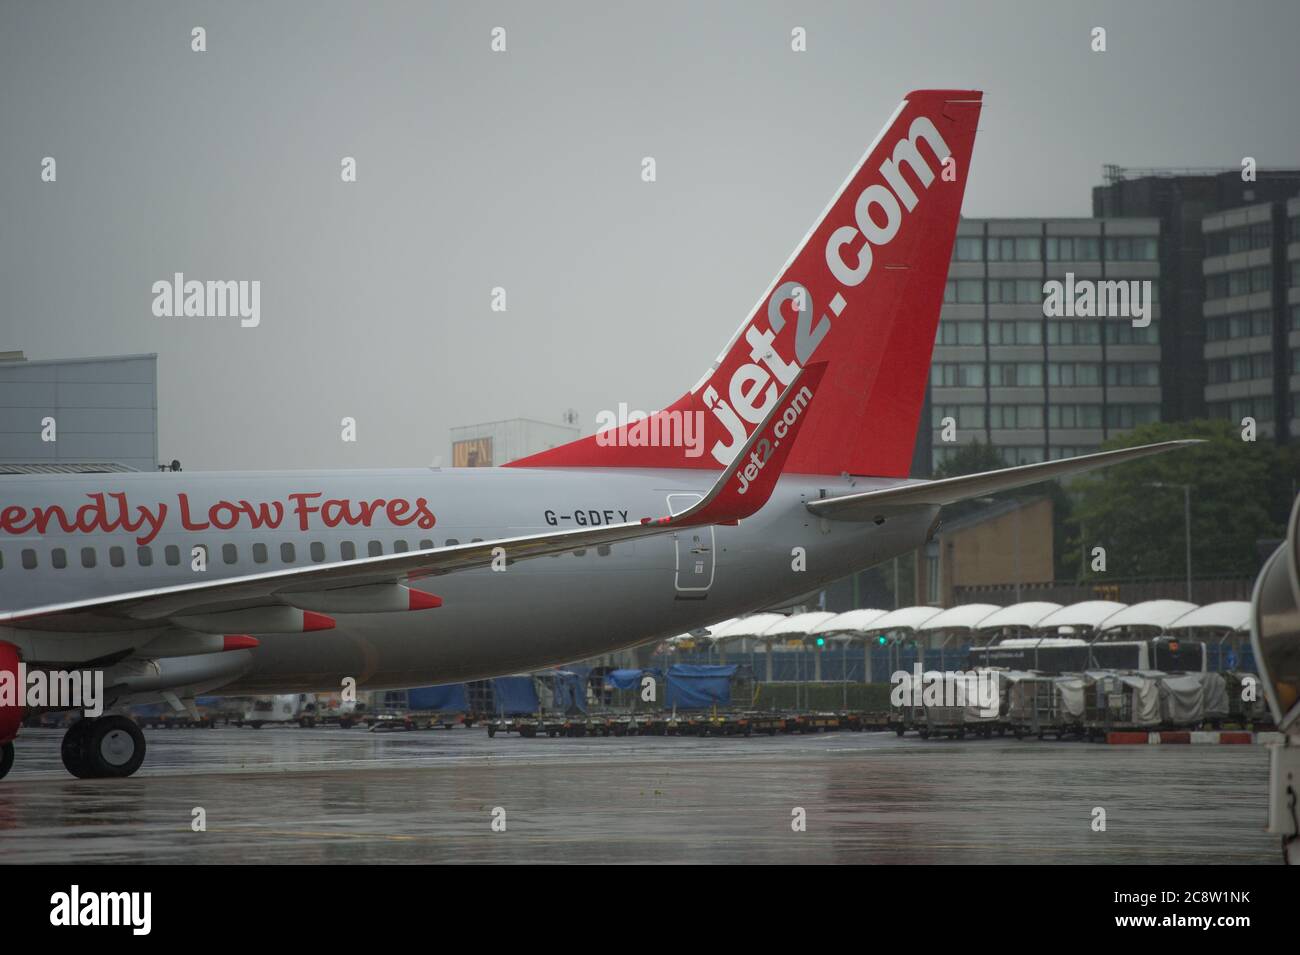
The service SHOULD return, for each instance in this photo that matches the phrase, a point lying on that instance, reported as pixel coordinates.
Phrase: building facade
(1009, 542)
(499, 442)
(1182, 201)
(1036, 385)
(1252, 316)
(79, 414)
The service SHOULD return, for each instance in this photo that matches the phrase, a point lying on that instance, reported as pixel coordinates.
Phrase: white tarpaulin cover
(1070, 689)
(1146, 697)
(1182, 699)
(1216, 695)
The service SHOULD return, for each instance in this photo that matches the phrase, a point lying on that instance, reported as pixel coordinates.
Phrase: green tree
(1241, 492)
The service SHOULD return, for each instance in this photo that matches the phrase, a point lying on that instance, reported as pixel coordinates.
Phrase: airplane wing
(233, 603)
(869, 505)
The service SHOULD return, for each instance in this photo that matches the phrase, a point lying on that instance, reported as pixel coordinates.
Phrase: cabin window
(400, 547)
(116, 557)
(375, 549)
(87, 557)
(452, 542)
(348, 550)
(317, 551)
(29, 559)
(172, 554)
(229, 553)
(58, 558)
(144, 556)
(426, 545)
(287, 555)
(259, 553)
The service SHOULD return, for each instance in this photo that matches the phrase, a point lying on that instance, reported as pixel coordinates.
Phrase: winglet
(749, 480)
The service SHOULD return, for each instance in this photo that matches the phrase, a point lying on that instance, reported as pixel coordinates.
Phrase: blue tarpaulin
(570, 692)
(514, 696)
(699, 686)
(623, 679)
(447, 698)
(630, 679)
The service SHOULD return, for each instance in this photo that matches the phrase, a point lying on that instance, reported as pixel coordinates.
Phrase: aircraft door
(695, 552)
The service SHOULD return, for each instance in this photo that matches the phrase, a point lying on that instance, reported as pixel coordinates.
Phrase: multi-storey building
(1252, 316)
(1037, 386)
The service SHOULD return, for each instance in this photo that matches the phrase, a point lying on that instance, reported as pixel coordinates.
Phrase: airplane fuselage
(139, 531)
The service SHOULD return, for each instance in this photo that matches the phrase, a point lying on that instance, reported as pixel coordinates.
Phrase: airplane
(176, 584)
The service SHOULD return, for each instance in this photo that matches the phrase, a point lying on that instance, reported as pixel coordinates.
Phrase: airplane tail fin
(861, 292)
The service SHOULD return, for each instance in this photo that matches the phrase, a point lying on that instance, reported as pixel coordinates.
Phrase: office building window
(961, 333)
(1015, 249)
(1132, 374)
(1073, 249)
(1126, 333)
(954, 375)
(1132, 248)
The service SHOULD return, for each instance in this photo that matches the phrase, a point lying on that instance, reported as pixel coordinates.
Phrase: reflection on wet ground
(328, 795)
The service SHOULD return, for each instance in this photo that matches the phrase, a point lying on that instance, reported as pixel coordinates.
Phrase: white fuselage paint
(536, 613)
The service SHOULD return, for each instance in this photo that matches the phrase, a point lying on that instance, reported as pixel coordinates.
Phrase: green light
(821, 641)
(881, 640)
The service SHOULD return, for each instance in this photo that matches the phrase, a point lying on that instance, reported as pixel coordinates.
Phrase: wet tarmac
(348, 796)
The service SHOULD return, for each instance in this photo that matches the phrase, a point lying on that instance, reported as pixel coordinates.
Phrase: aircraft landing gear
(106, 747)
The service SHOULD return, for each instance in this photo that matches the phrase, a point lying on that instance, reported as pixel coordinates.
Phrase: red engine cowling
(11, 717)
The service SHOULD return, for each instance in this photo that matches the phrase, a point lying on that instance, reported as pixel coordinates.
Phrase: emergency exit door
(695, 552)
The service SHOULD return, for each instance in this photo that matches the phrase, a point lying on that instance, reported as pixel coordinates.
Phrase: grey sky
(523, 170)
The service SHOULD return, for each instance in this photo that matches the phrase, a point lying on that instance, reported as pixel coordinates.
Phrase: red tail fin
(862, 293)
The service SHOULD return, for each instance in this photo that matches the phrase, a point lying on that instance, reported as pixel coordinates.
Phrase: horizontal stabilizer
(868, 505)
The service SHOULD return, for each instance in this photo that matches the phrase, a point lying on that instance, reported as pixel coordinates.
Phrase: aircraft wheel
(115, 747)
(6, 759)
(74, 749)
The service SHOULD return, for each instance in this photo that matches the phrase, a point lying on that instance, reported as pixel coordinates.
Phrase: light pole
(1187, 527)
